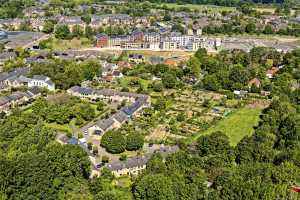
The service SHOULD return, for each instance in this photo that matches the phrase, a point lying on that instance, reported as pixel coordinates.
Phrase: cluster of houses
(17, 78)
(17, 99)
(137, 103)
(134, 165)
(110, 72)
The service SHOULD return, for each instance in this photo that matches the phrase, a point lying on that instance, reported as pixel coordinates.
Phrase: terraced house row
(17, 99)
(137, 103)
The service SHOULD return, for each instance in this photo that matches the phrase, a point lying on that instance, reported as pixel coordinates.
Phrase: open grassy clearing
(125, 82)
(237, 125)
(265, 9)
(211, 8)
(75, 43)
(59, 127)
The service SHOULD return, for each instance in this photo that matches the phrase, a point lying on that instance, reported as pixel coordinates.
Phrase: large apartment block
(156, 41)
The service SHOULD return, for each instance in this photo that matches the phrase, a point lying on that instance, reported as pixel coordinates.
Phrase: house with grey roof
(132, 166)
(81, 92)
(100, 127)
(17, 78)
(4, 104)
(17, 98)
(6, 56)
(120, 117)
(138, 102)
(72, 21)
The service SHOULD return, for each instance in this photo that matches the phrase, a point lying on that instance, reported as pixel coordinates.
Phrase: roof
(24, 79)
(129, 110)
(168, 149)
(7, 55)
(116, 73)
(254, 81)
(62, 137)
(40, 77)
(17, 95)
(136, 56)
(12, 75)
(81, 90)
(49, 82)
(73, 141)
(101, 35)
(4, 100)
(34, 91)
(105, 124)
(129, 163)
(120, 116)
(273, 71)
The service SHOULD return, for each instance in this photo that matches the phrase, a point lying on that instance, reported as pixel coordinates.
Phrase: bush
(123, 157)
(134, 141)
(158, 86)
(113, 142)
(105, 159)
(95, 151)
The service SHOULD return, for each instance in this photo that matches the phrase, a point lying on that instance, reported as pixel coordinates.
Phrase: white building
(169, 45)
(41, 81)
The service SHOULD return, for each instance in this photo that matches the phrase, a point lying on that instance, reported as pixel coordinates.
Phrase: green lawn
(60, 127)
(199, 7)
(75, 43)
(124, 82)
(237, 125)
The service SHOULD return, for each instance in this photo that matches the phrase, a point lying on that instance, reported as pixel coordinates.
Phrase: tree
(105, 159)
(86, 19)
(86, 112)
(268, 29)
(158, 86)
(154, 187)
(210, 82)
(89, 32)
(62, 32)
(100, 105)
(114, 142)
(106, 195)
(214, 144)
(201, 53)
(169, 80)
(194, 66)
(134, 141)
(250, 28)
(77, 31)
(95, 151)
(123, 157)
(48, 27)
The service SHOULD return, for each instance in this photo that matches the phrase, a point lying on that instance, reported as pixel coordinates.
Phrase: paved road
(44, 37)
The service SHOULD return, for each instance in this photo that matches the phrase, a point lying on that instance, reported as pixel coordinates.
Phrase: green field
(212, 8)
(75, 43)
(59, 127)
(237, 125)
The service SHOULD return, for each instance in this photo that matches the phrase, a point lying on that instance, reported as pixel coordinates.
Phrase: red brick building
(138, 36)
(102, 41)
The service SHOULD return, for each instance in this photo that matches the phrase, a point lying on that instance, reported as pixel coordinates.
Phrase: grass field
(265, 9)
(59, 127)
(200, 7)
(124, 82)
(75, 43)
(237, 125)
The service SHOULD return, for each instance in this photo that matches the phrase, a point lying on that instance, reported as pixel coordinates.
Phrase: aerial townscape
(149, 100)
